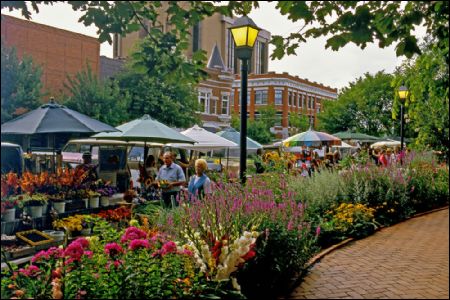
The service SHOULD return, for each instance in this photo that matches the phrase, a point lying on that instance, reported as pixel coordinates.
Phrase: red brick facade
(58, 51)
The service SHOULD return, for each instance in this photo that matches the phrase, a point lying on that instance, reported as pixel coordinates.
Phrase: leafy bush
(280, 255)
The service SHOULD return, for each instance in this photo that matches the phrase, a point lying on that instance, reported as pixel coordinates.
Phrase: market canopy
(356, 136)
(232, 135)
(312, 138)
(205, 140)
(388, 143)
(53, 118)
(145, 129)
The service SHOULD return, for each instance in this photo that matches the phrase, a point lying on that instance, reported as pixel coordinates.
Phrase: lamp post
(244, 32)
(402, 94)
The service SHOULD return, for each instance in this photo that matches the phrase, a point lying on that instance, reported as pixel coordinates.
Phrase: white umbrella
(389, 143)
(205, 140)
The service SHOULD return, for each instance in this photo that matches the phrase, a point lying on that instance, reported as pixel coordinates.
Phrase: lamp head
(244, 32)
(403, 93)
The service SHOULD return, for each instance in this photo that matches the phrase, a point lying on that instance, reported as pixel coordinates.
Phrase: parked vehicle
(12, 158)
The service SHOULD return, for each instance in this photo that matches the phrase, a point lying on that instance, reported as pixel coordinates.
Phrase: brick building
(219, 94)
(59, 52)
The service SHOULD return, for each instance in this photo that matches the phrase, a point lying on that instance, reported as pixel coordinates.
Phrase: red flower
(135, 244)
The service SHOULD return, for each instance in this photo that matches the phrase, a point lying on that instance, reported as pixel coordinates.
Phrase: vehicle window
(70, 148)
(11, 160)
(84, 148)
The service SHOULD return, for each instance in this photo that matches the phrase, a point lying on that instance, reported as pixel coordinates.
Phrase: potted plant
(93, 199)
(35, 204)
(10, 188)
(106, 192)
(59, 202)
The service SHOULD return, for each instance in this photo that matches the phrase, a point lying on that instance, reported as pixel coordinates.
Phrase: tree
(364, 106)
(427, 107)
(299, 123)
(342, 22)
(161, 81)
(21, 84)
(101, 100)
(258, 130)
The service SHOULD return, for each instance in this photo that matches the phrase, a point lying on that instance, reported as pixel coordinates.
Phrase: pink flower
(83, 241)
(169, 247)
(133, 233)
(41, 255)
(317, 230)
(187, 252)
(31, 271)
(113, 249)
(135, 244)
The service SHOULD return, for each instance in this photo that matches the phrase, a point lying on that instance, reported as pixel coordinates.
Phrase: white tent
(205, 140)
(388, 143)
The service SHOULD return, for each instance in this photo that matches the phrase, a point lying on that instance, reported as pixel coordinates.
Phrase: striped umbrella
(312, 138)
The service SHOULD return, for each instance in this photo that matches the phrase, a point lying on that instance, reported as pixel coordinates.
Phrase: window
(278, 97)
(313, 102)
(203, 99)
(304, 101)
(225, 104)
(278, 118)
(262, 56)
(196, 37)
(230, 51)
(261, 97)
(290, 98)
(248, 98)
(213, 105)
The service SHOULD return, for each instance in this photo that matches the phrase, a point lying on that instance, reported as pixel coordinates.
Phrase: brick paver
(405, 261)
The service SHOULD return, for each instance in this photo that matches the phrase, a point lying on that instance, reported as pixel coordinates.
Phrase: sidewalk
(407, 260)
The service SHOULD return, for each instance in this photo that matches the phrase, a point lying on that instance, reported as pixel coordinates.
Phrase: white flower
(235, 284)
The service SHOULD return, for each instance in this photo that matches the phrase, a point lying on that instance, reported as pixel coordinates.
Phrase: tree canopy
(342, 22)
(365, 106)
(21, 84)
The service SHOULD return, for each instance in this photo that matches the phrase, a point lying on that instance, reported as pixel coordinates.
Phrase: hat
(87, 154)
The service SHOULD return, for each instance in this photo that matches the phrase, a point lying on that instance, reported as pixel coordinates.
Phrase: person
(87, 166)
(172, 173)
(258, 162)
(373, 154)
(382, 159)
(199, 184)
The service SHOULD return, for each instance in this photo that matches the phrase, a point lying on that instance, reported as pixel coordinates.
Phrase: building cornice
(285, 82)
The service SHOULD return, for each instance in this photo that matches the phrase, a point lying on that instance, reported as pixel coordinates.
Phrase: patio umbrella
(52, 119)
(311, 138)
(356, 136)
(205, 140)
(389, 143)
(235, 136)
(145, 129)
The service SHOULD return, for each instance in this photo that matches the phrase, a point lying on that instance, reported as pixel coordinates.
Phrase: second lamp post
(244, 32)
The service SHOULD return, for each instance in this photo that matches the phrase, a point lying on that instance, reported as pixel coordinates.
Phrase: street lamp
(402, 94)
(244, 32)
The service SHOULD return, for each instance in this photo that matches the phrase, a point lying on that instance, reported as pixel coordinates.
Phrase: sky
(313, 62)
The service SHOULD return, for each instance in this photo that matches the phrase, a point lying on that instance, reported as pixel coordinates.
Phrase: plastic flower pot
(9, 215)
(57, 235)
(60, 207)
(86, 202)
(93, 202)
(85, 231)
(104, 200)
(35, 211)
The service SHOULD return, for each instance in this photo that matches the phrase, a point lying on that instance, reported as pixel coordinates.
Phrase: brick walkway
(408, 260)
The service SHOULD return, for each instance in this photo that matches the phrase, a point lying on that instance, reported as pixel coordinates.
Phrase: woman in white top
(199, 184)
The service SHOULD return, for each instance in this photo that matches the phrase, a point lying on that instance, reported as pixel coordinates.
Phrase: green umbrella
(356, 136)
(145, 129)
